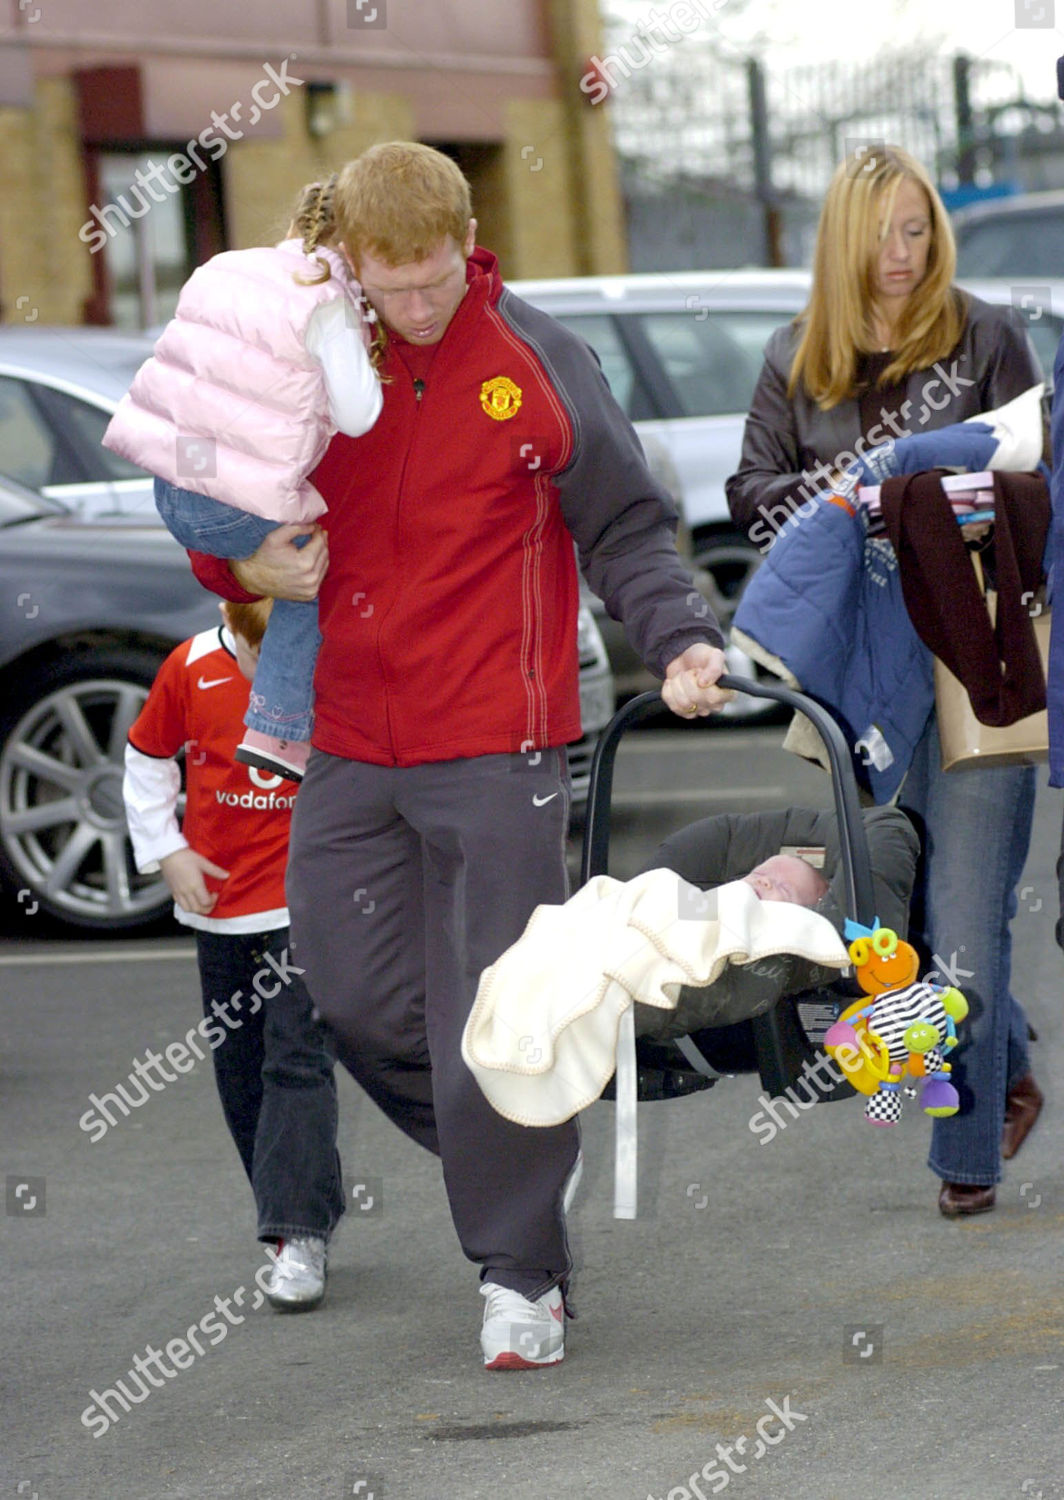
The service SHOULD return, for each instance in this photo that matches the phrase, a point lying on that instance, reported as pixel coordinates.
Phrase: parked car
(1038, 305)
(58, 390)
(682, 352)
(89, 608)
(1019, 238)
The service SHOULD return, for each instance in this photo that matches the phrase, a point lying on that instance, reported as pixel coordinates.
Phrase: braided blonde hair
(314, 223)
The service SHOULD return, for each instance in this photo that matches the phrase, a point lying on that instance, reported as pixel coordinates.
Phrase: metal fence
(691, 111)
(724, 163)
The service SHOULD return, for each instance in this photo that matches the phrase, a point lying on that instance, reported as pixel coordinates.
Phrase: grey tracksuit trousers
(404, 883)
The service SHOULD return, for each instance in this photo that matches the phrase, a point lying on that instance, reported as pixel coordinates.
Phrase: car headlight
(590, 649)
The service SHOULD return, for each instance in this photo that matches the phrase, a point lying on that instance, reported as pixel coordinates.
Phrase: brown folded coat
(999, 664)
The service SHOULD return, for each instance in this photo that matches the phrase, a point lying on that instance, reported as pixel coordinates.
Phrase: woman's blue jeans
(282, 695)
(976, 828)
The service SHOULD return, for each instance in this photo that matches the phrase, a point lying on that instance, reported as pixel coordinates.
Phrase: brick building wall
(90, 92)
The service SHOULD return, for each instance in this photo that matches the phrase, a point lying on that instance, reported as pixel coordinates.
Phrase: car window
(712, 358)
(88, 424)
(30, 451)
(600, 332)
(1029, 244)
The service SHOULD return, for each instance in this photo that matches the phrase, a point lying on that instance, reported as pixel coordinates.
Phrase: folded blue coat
(828, 602)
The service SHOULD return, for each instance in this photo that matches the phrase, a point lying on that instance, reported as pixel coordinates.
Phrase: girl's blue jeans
(282, 695)
(976, 829)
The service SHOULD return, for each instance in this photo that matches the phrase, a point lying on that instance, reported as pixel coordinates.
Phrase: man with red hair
(433, 816)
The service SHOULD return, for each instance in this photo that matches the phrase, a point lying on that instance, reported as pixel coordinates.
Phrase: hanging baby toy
(905, 1029)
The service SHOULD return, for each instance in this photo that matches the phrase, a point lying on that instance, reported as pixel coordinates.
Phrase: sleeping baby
(786, 877)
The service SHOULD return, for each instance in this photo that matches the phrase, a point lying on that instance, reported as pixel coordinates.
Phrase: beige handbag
(967, 743)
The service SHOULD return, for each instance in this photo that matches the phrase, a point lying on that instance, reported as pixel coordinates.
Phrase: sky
(785, 32)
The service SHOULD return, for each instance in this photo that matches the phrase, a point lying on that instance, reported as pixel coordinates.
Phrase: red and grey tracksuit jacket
(449, 608)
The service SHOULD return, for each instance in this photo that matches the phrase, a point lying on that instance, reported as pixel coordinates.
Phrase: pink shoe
(283, 757)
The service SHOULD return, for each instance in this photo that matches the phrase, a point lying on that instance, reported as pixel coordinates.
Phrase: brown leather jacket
(786, 439)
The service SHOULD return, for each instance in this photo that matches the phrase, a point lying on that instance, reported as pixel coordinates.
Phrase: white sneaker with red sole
(519, 1334)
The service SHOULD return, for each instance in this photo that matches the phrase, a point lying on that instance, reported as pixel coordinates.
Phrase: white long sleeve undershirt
(351, 383)
(150, 788)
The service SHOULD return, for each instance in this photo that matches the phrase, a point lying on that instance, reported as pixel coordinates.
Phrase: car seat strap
(695, 1058)
(625, 1140)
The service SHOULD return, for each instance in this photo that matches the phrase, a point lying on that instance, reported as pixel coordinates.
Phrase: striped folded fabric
(967, 493)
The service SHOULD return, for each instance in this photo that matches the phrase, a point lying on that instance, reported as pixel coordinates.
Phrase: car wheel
(64, 845)
(730, 561)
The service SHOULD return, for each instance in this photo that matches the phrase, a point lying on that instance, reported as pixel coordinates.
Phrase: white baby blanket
(542, 1037)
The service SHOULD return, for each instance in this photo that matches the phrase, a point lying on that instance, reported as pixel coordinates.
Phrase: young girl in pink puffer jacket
(267, 356)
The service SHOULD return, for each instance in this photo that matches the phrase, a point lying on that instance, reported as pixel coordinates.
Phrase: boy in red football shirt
(225, 869)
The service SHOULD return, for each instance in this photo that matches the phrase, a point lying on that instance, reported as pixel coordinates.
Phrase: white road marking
(106, 956)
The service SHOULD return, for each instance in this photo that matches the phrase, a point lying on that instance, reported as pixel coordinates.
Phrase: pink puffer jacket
(231, 405)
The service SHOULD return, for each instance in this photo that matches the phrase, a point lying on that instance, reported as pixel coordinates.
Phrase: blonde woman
(887, 354)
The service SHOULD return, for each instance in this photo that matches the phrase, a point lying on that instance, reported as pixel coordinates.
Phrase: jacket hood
(482, 265)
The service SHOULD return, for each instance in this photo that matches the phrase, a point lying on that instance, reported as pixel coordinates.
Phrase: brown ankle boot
(1023, 1105)
(959, 1199)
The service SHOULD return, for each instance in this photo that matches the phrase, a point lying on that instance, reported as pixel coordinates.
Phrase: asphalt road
(786, 1318)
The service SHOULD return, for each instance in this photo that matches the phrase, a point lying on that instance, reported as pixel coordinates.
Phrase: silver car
(682, 352)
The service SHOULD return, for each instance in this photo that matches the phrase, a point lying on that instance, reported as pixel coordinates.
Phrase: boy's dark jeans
(274, 1072)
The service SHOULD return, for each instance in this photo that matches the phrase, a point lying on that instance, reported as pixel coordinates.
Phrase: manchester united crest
(500, 398)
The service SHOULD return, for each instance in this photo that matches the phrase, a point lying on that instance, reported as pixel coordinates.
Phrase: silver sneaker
(297, 1281)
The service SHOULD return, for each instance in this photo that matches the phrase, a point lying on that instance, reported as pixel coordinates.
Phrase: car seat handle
(853, 843)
